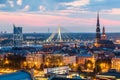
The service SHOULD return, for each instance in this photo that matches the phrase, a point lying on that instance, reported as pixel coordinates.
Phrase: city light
(104, 67)
(75, 65)
(51, 51)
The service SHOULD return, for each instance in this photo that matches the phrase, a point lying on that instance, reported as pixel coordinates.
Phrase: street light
(104, 67)
(88, 65)
(61, 64)
(74, 65)
(35, 63)
(47, 64)
(6, 62)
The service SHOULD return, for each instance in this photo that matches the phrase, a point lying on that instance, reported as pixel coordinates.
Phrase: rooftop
(84, 55)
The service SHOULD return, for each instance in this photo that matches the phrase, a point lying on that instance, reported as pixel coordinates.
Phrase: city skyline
(73, 15)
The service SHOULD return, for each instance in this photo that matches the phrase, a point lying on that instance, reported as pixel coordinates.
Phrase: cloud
(114, 11)
(42, 20)
(2, 5)
(19, 2)
(74, 7)
(11, 2)
(53, 5)
(77, 3)
(110, 22)
(96, 5)
(26, 8)
(42, 8)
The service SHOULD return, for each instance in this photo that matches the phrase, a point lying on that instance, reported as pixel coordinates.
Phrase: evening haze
(73, 15)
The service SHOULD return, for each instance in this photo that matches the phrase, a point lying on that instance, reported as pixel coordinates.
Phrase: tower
(59, 34)
(103, 36)
(98, 35)
(17, 36)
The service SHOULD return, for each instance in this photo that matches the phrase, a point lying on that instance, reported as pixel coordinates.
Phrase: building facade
(85, 57)
(69, 60)
(34, 60)
(52, 60)
(116, 63)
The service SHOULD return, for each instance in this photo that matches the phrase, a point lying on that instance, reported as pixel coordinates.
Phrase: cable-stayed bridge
(62, 35)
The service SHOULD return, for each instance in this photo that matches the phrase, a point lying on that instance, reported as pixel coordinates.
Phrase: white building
(57, 70)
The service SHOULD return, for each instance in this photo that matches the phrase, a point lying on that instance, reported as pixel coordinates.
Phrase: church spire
(98, 22)
(98, 34)
(103, 36)
(103, 31)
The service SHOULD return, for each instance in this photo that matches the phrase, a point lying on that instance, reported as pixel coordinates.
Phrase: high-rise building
(98, 34)
(17, 36)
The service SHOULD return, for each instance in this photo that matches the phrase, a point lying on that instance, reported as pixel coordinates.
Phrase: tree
(27, 67)
(88, 65)
(79, 70)
(41, 66)
(97, 69)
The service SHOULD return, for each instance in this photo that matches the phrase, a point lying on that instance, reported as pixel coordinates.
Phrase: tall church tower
(98, 34)
(103, 36)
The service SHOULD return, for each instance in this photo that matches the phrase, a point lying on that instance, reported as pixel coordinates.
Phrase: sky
(72, 15)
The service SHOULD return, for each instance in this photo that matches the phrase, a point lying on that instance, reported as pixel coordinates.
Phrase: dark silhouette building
(101, 39)
(17, 36)
(98, 34)
(103, 36)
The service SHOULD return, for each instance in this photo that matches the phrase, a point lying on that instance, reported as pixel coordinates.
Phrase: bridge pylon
(59, 37)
